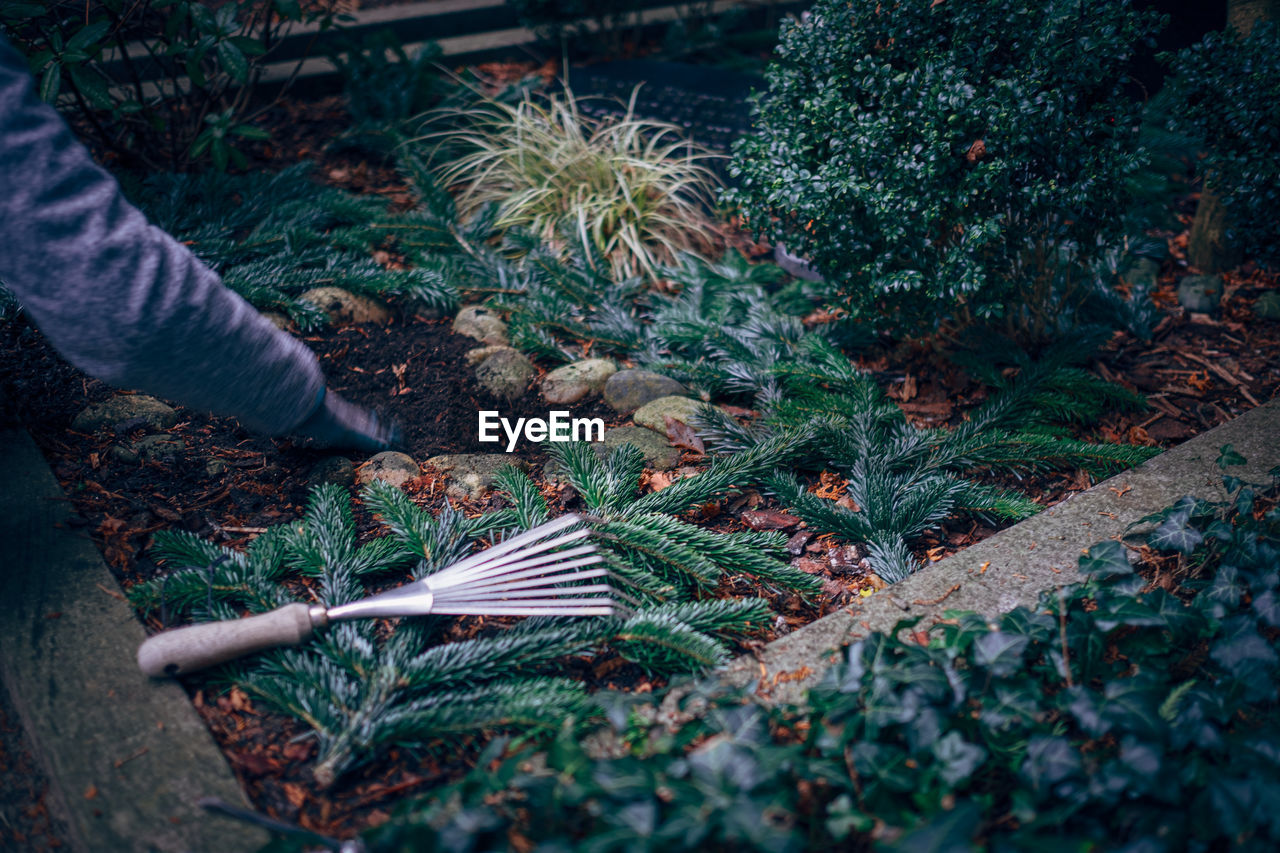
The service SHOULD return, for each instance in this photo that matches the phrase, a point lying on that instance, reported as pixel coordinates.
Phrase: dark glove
(338, 423)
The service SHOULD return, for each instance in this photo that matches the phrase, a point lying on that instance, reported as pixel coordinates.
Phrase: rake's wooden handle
(194, 647)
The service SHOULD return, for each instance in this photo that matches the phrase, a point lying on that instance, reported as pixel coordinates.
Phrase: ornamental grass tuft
(636, 189)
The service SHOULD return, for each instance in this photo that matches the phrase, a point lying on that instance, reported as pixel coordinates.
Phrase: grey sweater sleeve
(119, 298)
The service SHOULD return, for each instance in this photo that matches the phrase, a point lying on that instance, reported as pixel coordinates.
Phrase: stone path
(128, 757)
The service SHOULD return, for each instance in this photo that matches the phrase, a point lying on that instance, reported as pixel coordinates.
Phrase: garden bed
(1198, 372)
(225, 485)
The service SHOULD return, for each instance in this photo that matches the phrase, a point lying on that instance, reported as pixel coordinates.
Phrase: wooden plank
(128, 756)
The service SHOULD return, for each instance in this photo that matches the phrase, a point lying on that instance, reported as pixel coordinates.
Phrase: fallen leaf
(830, 485)
(909, 388)
(832, 587)
(655, 481)
(91, 792)
(847, 560)
(682, 435)
(297, 751)
(798, 540)
(239, 699)
(807, 564)
(768, 519)
(254, 763)
(295, 794)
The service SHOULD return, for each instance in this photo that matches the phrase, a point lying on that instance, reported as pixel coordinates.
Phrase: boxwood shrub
(947, 158)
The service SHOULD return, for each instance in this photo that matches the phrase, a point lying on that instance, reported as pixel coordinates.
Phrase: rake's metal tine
(515, 542)
(619, 593)
(463, 572)
(498, 595)
(606, 607)
(539, 572)
(444, 580)
(546, 581)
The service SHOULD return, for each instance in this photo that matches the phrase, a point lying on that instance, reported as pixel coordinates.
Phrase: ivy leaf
(1175, 534)
(1267, 606)
(1243, 652)
(949, 832)
(1132, 706)
(1000, 653)
(1228, 457)
(959, 757)
(1084, 706)
(1106, 560)
(1050, 759)
(884, 764)
(1116, 610)
(1174, 614)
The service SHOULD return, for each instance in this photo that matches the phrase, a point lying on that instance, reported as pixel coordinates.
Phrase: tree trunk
(1243, 14)
(1207, 247)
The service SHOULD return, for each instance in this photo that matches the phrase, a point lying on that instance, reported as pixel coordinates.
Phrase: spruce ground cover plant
(1121, 709)
(362, 689)
(272, 237)
(726, 330)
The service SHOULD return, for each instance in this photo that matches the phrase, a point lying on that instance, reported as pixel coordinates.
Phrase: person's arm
(126, 303)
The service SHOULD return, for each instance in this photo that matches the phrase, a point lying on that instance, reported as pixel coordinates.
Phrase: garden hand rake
(519, 577)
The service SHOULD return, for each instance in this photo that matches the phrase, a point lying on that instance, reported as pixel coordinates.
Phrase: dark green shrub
(180, 94)
(384, 85)
(946, 158)
(1227, 91)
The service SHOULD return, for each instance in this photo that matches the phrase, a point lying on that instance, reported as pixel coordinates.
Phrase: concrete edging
(1014, 566)
(127, 756)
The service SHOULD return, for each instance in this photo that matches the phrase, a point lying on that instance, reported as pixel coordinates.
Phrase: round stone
(338, 470)
(654, 414)
(657, 452)
(479, 354)
(126, 408)
(1201, 294)
(628, 390)
(390, 467)
(570, 383)
(1268, 306)
(124, 454)
(481, 323)
(344, 307)
(159, 448)
(506, 374)
(280, 321)
(471, 475)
